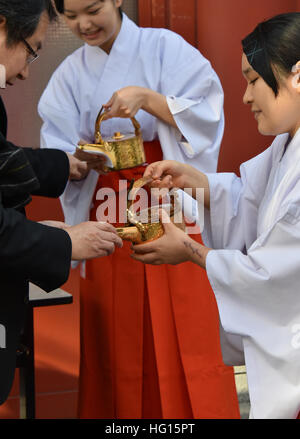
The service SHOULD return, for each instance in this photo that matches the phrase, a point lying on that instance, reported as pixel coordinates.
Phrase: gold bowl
(146, 226)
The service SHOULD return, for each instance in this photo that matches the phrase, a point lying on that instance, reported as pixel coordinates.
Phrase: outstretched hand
(93, 239)
(171, 174)
(173, 248)
(166, 174)
(81, 162)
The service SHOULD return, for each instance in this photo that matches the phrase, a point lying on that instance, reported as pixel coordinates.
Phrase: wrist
(196, 253)
(145, 97)
(189, 174)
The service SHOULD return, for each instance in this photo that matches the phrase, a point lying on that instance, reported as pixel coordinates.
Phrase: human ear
(118, 3)
(296, 76)
(2, 22)
(3, 33)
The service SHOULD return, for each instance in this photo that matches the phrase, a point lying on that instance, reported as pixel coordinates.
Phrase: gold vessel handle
(101, 115)
(133, 189)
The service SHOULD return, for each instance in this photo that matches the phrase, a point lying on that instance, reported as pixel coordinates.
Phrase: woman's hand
(167, 174)
(171, 174)
(125, 102)
(174, 247)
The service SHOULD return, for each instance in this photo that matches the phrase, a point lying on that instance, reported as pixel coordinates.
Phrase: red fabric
(149, 336)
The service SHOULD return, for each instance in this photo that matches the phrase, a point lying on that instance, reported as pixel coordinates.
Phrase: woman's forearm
(156, 104)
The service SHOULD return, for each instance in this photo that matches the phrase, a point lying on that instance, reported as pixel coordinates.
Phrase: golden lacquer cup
(145, 225)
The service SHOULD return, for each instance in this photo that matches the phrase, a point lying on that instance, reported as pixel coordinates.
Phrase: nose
(247, 98)
(24, 73)
(84, 24)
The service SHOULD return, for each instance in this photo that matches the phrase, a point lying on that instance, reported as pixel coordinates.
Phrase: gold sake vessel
(123, 150)
(150, 228)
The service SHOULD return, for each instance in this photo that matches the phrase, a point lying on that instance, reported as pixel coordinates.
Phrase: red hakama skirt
(150, 335)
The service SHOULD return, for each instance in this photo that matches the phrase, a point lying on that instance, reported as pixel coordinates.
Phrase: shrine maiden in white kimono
(160, 60)
(256, 279)
(154, 58)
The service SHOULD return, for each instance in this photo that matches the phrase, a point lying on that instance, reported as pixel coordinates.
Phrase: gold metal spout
(130, 233)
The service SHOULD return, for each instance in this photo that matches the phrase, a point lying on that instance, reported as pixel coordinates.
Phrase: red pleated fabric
(149, 336)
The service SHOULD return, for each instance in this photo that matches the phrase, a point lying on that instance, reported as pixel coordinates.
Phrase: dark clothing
(29, 252)
(17, 177)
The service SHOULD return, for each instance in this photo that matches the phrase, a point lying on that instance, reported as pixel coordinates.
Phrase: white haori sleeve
(223, 227)
(258, 298)
(195, 99)
(231, 221)
(59, 110)
(232, 348)
(77, 198)
(61, 129)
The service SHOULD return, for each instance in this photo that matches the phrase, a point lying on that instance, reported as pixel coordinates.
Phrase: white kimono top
(254, 228)
(154, 58)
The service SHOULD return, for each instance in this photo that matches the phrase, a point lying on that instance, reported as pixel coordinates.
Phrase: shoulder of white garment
(276, 147)
(63, 79)
(72, 62)
(167, 41)
(171, 45)
(255, 172)
(256, 163)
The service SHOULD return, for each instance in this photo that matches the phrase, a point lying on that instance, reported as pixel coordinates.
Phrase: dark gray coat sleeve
(33, 252)
(29, 250)
(51, 167)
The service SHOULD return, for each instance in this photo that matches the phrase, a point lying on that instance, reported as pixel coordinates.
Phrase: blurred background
(216, 28)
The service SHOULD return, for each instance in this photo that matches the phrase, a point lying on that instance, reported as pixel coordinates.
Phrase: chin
(265, 131)
(262, 131)
(98, 43)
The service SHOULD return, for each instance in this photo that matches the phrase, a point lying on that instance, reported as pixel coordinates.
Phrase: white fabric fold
(87, 79)
(254, 228)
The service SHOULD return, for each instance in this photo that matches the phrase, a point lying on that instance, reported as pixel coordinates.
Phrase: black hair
(273, 48)
(60, 6)
(22, 17)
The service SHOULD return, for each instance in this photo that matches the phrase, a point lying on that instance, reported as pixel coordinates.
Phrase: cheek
(105, 21)
(273, 121)
(16, 64)
(73, 25)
